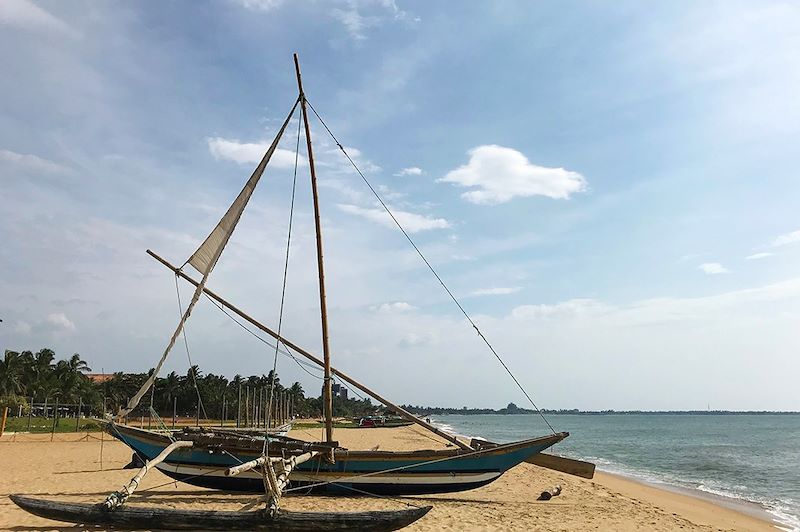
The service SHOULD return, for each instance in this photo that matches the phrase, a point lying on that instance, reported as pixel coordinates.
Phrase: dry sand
(69, 469)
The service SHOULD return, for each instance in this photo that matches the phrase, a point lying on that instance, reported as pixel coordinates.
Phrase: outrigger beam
(118, 498)
(252, 464)
(402, 412)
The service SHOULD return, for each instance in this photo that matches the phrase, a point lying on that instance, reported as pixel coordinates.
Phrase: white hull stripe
(350, 478)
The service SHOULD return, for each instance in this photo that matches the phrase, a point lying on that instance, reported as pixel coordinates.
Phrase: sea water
(740, 457)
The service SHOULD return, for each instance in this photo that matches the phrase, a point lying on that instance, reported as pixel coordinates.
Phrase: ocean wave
(452, 431)
(785, 520)
(783, 512)
(779, 510)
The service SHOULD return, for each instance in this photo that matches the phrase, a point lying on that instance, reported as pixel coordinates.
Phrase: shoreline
(751, 509)
(607, 502)
(755, 509)
(680, 496)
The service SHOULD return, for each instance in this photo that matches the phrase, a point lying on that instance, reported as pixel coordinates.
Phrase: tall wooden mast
(326, 387)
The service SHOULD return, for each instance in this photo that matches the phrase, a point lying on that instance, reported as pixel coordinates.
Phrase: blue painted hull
(378, 472)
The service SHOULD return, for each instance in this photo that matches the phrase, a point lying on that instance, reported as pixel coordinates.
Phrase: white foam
(450, 430)
(785, 520)
(780, 511)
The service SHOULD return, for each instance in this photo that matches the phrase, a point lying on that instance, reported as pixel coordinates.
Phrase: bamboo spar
(326, 396)
(118, 498)
(403, 413)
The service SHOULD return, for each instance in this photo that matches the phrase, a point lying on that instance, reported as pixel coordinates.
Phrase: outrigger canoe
(376, 472)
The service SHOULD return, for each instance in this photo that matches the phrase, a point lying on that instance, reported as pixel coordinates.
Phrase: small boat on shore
(368, 422)
(375, 472)
(268, 462)
(461, 467)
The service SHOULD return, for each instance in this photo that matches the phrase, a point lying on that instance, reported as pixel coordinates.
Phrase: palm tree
(40, 371)
(70, 378)
(118, 391)
(194, 375)
(296, 391)
(214, 388)
(274, 380)
(77, 365)
(11, 374)
(171, 388)
(236, 381)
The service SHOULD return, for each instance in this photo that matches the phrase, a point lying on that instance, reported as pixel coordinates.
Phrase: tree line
(38, 377)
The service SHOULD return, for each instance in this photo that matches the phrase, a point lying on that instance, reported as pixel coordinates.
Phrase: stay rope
(192, 370)
(283, 287)
(301, 363)
(430, 267)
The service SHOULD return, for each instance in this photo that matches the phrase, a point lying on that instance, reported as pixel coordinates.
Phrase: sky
(610, 190)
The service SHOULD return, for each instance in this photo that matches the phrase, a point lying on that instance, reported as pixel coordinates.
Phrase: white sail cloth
(206, 256)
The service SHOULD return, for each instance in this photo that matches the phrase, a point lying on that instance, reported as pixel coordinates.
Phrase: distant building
(100, 377)
(337, 390)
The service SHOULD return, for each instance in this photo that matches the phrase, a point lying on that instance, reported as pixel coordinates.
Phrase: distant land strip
(513, 409)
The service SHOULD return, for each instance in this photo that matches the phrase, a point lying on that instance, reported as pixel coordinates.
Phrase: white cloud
(249, 152)
(397, 306)
(411, 222)
(573, 308)
(356, 22)
(356, 16)
(23, 328)
(325, 157)
(336, 161)
(414, 339)
(259, 5)
(757, 256)
(788, 238)
(30, 162)
(497, 291)
(713, 268)
(27, 15)
(501, 174)
(60, 322)
(387, 194)
(411, 170)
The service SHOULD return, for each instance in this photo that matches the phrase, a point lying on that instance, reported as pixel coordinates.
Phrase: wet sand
(69, 469)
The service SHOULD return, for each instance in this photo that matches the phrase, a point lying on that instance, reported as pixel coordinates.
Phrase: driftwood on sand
(549, 494)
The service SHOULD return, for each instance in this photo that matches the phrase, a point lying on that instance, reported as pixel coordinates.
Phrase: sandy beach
(69, 469)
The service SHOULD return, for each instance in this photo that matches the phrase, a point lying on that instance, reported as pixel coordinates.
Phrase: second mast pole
(326, 354)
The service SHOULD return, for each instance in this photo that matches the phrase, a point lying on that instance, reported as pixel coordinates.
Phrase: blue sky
(609, 187)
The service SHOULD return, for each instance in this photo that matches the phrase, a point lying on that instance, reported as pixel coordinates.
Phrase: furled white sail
(206, 256)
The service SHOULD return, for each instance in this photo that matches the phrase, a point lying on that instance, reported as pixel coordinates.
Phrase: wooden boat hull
(416, 472)
(137, 518)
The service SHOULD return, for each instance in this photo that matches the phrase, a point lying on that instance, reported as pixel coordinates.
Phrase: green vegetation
(41, 424)
(27, 377)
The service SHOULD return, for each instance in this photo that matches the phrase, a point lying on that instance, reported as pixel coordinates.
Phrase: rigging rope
(430, 267)
(301, 363)
(283, 287)
(192, 370)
